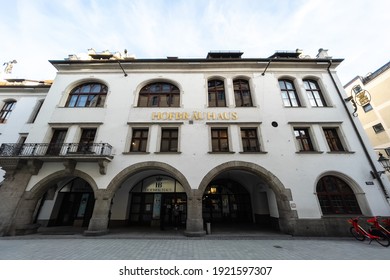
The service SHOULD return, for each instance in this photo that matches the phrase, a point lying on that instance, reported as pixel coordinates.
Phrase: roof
(371, 76)
(25, 83)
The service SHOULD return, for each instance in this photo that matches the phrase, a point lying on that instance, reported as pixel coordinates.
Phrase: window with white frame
(289, 93)
(314, 93)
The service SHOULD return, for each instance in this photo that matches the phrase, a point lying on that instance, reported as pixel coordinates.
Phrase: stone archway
(357, 190)
(148, 165)
(23, 220)
(139, 168)
(287, 216)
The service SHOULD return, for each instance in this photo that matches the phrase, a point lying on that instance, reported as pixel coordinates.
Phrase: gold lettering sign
(362, 97)
(196, 115)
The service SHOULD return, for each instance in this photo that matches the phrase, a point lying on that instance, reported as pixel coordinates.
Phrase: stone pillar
(194, 215)
(287, 216)
(98, 225)
(17, 176)
(23, 222)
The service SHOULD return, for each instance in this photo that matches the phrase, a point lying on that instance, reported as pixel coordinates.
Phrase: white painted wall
(298, 172)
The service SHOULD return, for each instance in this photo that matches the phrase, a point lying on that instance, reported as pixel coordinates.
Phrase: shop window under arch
(158, 200)
(76, 201)
(336, 197)
(226, 201)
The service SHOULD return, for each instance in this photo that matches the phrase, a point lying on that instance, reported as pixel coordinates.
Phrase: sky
(33, 32)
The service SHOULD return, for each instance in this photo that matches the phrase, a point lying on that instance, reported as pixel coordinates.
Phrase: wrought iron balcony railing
(55, 150)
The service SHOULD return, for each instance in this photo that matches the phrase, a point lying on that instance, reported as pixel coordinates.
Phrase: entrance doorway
(226, 201)
(76, 201)
(158, 201)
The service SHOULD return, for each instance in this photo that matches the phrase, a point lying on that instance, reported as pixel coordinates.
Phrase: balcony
(12, 154)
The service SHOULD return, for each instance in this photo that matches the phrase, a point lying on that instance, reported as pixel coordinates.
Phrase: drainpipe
(358, 135)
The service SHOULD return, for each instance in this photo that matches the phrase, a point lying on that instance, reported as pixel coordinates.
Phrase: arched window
(87, 95)
(216, 92)
(289, 94)
(242, 93)
(159, 95)
(336, 197)
(314, 93)
(6, 110)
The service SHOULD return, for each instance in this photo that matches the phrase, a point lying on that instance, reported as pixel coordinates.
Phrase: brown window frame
(304, 139)
(139, 143)
(87, 139)
(242, 92)
(152, 94)
(219, 136)
(214, 90)
(333, 139)
(248, 140)
(171, 140)
(336, 197)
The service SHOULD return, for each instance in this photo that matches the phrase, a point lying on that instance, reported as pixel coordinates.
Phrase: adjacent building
(372, 97)
(20, 102)
(177, 143)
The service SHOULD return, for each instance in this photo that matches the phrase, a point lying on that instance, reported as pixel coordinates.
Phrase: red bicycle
(361, 234)
(376, 225)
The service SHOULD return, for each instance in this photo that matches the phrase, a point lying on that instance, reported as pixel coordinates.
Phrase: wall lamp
(385, 162)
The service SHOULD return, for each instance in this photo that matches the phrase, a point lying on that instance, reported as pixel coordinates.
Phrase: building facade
(176, 143)
(20, 102)
(374, 112)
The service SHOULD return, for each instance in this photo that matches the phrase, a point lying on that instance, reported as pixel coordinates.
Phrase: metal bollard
(208, 228)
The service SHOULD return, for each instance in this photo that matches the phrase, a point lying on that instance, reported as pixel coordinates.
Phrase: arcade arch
(270, 200)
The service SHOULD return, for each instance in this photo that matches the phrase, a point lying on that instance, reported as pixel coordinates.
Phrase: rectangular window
(86, 140)
(387, 150)
(250, 142)
(56, 145)
(378, 128)
(35, 112)
(289, 94)
(219, 140)
(169, 140)
(6, 111)
(139, 140)
(333, 139)
(303, 138)
(367, 107)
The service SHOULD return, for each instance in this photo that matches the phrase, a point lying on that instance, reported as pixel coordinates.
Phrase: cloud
(41, 30)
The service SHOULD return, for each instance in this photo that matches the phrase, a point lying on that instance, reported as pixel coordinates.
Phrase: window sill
(221, 152)
(340, 152)
(261, 152)
(295, 107)
(309, 152)
(321, 107)
(136, 153)
(168, 153)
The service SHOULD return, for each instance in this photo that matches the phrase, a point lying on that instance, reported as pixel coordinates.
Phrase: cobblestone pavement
(176, 246)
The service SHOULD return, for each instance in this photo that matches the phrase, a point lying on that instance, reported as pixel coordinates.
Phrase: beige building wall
(376, 117)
